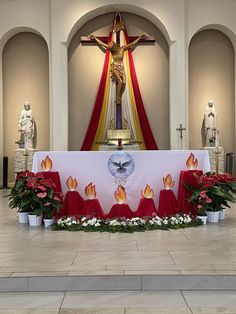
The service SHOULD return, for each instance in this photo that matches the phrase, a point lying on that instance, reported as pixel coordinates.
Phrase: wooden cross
(88, 40)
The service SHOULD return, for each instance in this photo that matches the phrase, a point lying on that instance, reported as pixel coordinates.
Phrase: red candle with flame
(120, 209)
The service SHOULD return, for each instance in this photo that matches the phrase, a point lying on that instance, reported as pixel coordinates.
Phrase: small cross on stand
(181, 129)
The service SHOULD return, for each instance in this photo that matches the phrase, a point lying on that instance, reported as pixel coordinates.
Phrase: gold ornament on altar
(119, 137)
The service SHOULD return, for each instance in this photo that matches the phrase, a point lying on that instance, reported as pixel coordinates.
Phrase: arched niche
(25, 68)
(212, 77)
(85, 66)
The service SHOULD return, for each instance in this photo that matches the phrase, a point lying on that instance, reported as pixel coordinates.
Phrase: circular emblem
(120, 165)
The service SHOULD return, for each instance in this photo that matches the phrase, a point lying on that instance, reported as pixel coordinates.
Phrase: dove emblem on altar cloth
(121, 165)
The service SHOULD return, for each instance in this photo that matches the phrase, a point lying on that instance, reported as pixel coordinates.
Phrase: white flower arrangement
(125, 224)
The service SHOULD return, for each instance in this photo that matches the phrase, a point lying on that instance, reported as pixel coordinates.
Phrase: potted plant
(201, 201)
(213, 194)
(17, 198)
(49, 210)
(35, 195)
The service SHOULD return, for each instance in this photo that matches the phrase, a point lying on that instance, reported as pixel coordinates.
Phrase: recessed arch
(25, 72)
(84, 71)
(119, 8)
(16, 30)
(219, 27)
(212, 77)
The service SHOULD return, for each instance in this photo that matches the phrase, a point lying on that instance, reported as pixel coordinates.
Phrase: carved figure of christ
(117, 66)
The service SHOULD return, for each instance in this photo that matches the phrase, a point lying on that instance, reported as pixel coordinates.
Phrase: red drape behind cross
(148, 137)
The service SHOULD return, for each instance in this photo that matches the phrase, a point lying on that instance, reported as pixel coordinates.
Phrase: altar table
(149, 167)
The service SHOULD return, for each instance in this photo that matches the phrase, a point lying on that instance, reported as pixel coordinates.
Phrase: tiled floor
(205, 250)
(28, 251)
(172, 302)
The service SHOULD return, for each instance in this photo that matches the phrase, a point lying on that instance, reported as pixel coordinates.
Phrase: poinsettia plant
(213, 193)
(32, 193)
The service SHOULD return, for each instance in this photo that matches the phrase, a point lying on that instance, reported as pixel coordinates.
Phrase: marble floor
(24, 251)
(129, 302)
(36, 252)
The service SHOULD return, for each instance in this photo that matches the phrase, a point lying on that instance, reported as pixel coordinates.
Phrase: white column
(58, 96)
(178, 95)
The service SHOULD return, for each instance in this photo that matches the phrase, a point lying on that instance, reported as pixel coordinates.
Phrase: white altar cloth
(149, 168)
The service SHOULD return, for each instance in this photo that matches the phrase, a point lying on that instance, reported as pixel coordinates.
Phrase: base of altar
(24, 159)
(217, 158)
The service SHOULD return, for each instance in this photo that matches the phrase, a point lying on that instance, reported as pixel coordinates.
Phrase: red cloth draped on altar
(93, 208)
(120, 210)
(55, 177)
(167, 204)
(187, 177)
(146, 208)
(73, 205)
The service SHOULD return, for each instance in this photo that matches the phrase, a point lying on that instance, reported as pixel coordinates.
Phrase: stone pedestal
(114, 147)
(24, 159)
(214, 153)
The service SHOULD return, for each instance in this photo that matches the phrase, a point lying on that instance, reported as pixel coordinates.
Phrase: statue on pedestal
(27, 128)
(210, 126)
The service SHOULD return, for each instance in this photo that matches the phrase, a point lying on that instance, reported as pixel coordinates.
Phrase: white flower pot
(48, 222)
(23, 217)
(203, 219)
(213, 216)
(34, 220)
(222, 214)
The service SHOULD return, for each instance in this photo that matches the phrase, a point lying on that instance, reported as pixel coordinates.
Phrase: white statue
(210, 126)
(27, 127)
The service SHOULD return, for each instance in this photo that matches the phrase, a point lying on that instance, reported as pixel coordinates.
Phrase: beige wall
(211, 77)
(25, 77)
(85, 66)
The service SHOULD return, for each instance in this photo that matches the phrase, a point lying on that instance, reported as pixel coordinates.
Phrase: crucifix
(181, 129)
(117, 66)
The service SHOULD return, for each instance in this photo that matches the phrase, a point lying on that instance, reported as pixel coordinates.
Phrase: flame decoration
(120, 195)
(168, 182)
(46, 164)
(90, 191)
(71, 183)
(192, 162)
(148, 192)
